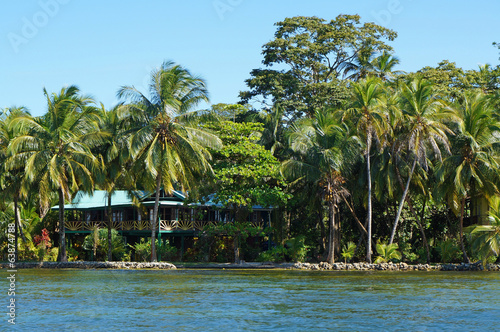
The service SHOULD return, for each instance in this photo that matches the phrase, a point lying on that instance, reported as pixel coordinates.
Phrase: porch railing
(145, 225)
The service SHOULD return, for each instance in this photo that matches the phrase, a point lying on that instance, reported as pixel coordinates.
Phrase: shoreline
(323, 266)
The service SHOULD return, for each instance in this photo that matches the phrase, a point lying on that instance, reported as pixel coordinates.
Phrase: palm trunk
(369, 215)
(401, 204)
(418, 219)
(462, 206)
(358, 223)
(20, 227)
(236, 243)
(322, 240)
(62, 257)
(110, 219)
(155, 218)
(331, 238)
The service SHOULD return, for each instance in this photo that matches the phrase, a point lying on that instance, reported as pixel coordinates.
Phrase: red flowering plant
(43, 241)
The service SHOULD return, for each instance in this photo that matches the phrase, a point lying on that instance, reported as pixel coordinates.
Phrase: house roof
(99, 199)
(121, 198)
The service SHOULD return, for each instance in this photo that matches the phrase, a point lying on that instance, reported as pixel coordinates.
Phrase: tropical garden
(359, 161)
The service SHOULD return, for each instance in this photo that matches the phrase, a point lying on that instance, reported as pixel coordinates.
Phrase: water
(249, 300)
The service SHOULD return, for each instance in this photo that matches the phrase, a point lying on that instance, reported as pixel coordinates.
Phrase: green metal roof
(122, 198)
(99, 199)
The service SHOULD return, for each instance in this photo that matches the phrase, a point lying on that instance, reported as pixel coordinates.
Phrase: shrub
(448, 250)
(99, 237)
(387, 252)
(297, 249)
(276, 254)
(348, 251)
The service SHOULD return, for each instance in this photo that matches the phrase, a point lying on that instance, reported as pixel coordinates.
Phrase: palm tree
(325, 150)
(384, 64)
(370, 121)
(116, 160)
(423, 115)
(274, 121)
(11, 179)
(55, 150)
(171, 152)
(472, 168)
(362, 66)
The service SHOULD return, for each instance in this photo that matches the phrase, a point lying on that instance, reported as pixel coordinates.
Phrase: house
(132, 214)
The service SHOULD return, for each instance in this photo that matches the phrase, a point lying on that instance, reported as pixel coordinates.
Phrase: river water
(255, 300)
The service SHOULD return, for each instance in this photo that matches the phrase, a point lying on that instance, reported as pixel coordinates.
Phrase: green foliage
(101, 236)
(246, 174)
(387, 252)
(294, 250)
(486, 238)
(52, 255)
(448, 250)
(297, 249)
(316, 53)
(163, 249)
(142, 249)
(161, 139)
(348, 251)
(276, 254)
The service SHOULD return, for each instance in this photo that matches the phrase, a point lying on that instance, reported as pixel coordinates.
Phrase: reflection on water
(248, 300)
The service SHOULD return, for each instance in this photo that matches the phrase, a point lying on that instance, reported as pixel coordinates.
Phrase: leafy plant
(448, 250)
(348, 251)
(276, 254)
(387, 252)
(99, 238)
(297, 248)
(164, 250)
(142, 249)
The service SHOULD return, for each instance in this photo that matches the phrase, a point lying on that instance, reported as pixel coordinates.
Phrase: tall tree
(55, 150)
(384, 66)
(246, 175)
(325, 151)
(117, 162)
(472, 168)
(172, 152)
(370, 121)
(11, 178)
(315, 54)
(424, 129)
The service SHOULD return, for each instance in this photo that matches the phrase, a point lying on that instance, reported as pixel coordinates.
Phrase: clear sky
(100, 45)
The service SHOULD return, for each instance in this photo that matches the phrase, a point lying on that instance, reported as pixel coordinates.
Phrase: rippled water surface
(249, 300)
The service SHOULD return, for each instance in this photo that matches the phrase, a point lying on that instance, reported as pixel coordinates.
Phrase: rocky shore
(92, 265)
(396, 267)
(323, 266)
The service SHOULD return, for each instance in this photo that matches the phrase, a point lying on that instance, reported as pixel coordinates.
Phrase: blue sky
(102, 45)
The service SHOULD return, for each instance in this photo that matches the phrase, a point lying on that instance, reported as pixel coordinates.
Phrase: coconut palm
(384, 64)
(171, 152)
(387, 252)
(325, 150)
(367, 114)
(11, 179)
(116, 160)
(55, 150)
(423, 130)
(472, 168)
